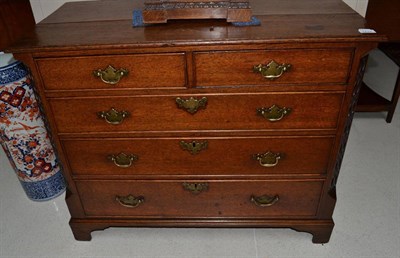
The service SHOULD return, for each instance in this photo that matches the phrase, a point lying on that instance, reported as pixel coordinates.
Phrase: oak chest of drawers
(200, 123)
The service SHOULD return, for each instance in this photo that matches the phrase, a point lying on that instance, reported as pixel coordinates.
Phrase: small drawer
(305, 66)
(261, 111)
(199, 156)
(114, 72)
(199, 199)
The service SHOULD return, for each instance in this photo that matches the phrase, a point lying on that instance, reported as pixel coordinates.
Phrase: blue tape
(254, 22)
(137, 18)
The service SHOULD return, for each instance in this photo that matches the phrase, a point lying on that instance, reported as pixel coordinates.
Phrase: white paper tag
(366, 31)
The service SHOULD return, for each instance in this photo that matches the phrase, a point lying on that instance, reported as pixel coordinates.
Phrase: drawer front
(140, 71)
(222, 112)
(172, 199)
(306, 67)
(199, 156)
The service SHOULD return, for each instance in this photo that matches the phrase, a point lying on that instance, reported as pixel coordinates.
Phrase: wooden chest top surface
(102, 24)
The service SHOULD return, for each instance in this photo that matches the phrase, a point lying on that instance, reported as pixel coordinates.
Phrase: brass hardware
(193, 147)
(264, 200)
(113, 116)
(272, 70)
(268, 159)
(110, 75)
(195, 188)
(123, 160)
(273, 113)
(191, 105)
(129, 201)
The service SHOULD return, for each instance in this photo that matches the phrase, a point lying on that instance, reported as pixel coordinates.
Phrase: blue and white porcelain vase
(23, 134)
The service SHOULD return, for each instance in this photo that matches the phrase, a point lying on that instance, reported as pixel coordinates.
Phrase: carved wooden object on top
(159, 11)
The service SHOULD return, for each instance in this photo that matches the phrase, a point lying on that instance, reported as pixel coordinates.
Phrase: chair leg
(395, 98)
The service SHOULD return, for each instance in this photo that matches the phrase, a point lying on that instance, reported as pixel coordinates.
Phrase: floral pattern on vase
(24, 137)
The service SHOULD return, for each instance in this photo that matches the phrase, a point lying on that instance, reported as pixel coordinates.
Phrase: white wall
(42, 8)
(359, 5)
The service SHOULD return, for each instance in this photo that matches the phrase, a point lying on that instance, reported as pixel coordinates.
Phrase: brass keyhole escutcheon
(193, 147)
(195, 188)
(191, 105)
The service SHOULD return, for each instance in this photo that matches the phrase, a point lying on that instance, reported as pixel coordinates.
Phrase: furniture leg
(394, 100)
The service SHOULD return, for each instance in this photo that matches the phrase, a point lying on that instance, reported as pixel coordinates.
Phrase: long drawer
(114, 71)
(172, 199)
(199, 156)
(268, 111)
(298, 66)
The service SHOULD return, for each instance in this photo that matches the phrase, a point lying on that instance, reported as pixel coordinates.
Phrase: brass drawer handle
(273, 113)
(264, 200)
(123, 160)
(272, 70)
(193, 147)
(113, 116)
(268, 159)
(191, 105)
(129, 201)
(110, 75)
(195, 188)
